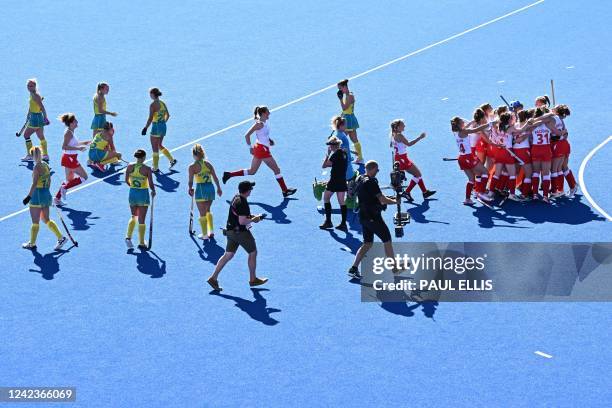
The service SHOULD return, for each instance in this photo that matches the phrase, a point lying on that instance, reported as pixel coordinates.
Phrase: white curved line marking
(583, 186)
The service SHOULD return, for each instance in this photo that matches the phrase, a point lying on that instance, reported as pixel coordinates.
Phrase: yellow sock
(155, 160)
(28, 143)
(141, 233)
(34, 233)
(167, 153)
(43, 146)
(131, 226)
(203, 224)
(358, 149)
(209, 222)
(110, 161)
(53, 227)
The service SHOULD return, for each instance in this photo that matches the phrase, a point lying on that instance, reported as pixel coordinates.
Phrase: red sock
(468, 190)
(74, 182)
(526, 187)
(511, 184)
(281, 182)
(483, 184)
(503, 181)
(411, 185)
(546, 185)
(571, 181)
(422, 185)
(59, 192)
(559, 184)
(477, 184)
(535, 183)
(237, 173)
(494, 183)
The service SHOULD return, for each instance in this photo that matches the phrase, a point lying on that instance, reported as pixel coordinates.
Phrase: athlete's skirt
(97, 155)
(204, 192)
(36, 120)
(336, 186)
(98, 121)
(523, 153)
(70, 161)
(503, 156)
(541, 153)
(467, 161)
(404, 162)
(261, 152)
(158, 129)
(351, 121)
(481, 146)
(561, 148)
(139, 197)
(41, 198)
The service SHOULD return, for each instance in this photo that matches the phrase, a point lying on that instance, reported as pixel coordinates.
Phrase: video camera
(400, 219)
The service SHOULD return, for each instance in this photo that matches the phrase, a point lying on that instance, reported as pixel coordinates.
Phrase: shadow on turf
(79, 218)
(570, 211)
(276, 213)
(165, 182)
(350, 240)
(113, 172)
(417, 213)
(153, 266)
(48, 263)
(209, 251)
(257, 309)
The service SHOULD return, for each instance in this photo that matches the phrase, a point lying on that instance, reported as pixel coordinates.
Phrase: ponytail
(256, 113)
(67, 118)
(504, 121)
(259, 110)
(456, 124)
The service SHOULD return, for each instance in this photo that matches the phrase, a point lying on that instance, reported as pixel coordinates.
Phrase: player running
(158, 116)
(102, 148)
(99, 106)
(468, 162)
(39, 198)
(261, 151)
(347, 103)
(203, 172)
(75, 173)
(400, 144)
(36, 121)
(139, 177)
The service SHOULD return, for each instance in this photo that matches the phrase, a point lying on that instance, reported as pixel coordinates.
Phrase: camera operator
(371, 203)
(239, 221)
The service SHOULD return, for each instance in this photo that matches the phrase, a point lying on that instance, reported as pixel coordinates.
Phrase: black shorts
(243, 239)
(336, 186)
(375, 227)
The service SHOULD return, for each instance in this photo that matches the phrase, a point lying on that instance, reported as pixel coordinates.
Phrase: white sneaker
(203, 237)
(468, 201)
(27, 158)
(557, 194)
(485, 197)
(514, 197)
(572, 192)
(60, 243)
(45, 157)
(58, 203)
(129, 244)
(28, 245)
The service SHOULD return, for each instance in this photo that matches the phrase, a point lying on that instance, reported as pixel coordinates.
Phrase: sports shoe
(288, 192)
(154, 169)
(129, 244)
(514, 197)
(468, 201)
(226, 176)
(485, 197)
(557, 194)
(63, 192)
(214, 284)
(142, 247)
(58, 202)
(546, 199)
(27, 158)
(173, 163)
(342, 227)
(28, 245)
(202, 237)
(258, 281)
(60, 243)
(407, 196)
(211, 235)
(353, 272)
(326, 225)
(428, 193)
(572, 191)
(358, 160)
(99, 166)
(45, 157)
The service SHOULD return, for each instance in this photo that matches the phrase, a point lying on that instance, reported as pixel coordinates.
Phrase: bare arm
(151, 185)
(35, 175)
(350, 99)
(152, 111)
(256, 126)
(213, 174)
(415, 141)
(384, 199)
(39, 101)
(128, 171)
(99, 102)
(191, 174)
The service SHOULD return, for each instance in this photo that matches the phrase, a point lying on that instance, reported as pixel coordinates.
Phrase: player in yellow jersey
(99, 106)
(158, 116)
(347, 103)
(140, 179)
(202, 171)
(37, 119)
(101, 148)
(39, 198)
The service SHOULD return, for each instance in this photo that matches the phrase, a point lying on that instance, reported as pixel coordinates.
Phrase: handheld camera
(400, 219)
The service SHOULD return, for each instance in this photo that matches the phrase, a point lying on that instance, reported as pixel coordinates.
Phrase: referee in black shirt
(239, 221)
(371, 203)
(336, 159)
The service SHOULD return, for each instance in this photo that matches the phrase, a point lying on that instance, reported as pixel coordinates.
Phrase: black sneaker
(289, 191)
(342, 227)
(354, 273)
(226, 176)
(428, 193)
(326, 225)
(407, 196)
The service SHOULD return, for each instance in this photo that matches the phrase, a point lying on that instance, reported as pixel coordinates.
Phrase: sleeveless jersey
(350, 109)
(540, 135)
(138, 180)
(74, 142)
(160, 115)
(263, 135)
(463, 143)
(203, 176)
(98, 142)
(34, 107)
(399, 147)
(44, 177)
(95, 104)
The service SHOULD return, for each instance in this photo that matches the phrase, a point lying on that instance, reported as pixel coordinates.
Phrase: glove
(144, 131)
(26, 200)
(340, 94)
(46, 122)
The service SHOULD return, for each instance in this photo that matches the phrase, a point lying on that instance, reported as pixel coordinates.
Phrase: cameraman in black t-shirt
(371, 203)
(239, 221)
